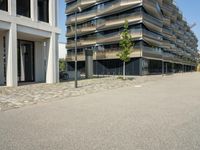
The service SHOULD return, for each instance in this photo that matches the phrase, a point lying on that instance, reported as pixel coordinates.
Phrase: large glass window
(23, 8)
(43, 10)
(4, 5)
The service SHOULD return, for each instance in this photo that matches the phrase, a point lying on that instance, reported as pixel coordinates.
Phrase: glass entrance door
(25, 61)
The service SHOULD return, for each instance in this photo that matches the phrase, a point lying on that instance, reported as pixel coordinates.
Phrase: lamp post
(75, 72)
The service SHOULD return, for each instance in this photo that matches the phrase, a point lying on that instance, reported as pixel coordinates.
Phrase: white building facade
(62, 50)
(28, 41)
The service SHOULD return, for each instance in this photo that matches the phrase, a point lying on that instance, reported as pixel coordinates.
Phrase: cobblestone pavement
(11, 98)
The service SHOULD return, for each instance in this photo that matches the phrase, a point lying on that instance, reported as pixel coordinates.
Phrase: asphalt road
(158, 115)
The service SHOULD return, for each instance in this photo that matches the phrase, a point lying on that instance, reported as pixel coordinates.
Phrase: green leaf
(126, 44)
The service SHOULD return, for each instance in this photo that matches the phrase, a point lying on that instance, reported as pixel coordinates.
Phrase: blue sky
(190, 9)
(61, 20)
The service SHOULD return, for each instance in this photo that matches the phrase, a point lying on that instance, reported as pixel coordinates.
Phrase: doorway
(26, 61)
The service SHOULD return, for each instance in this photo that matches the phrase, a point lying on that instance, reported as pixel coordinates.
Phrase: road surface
(157, 115)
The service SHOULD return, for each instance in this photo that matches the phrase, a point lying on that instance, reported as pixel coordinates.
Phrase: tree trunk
(124, 70)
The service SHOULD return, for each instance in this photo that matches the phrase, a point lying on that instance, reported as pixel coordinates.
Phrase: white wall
(62, 50)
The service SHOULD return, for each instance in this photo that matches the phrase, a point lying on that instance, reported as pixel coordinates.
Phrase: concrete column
(22, 49)
(57, 60)
(12, 7)
(52, 12)
(1, 61)
(89, 63)
(34, 10)
(52, 60)
(12, 56)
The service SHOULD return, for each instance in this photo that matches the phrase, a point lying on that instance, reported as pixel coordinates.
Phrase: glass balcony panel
(81, 17)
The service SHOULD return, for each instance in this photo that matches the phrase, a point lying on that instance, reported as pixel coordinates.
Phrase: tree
(62, 65)
(126, 45)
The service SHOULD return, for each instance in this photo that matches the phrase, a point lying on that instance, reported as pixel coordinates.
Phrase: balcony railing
(111, 53)
(152, 19)
(152, 7)
(80, 3)
(132, 18)
(82, 30)
(81, 43)
(81, 17)
(106, 23)
(71, 56)
(117, 5)
(107, 53)
(115, 37)
(136, 34)
(110, 7)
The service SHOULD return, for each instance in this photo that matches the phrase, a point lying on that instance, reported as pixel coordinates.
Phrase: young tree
(126, 45)
(62, 65)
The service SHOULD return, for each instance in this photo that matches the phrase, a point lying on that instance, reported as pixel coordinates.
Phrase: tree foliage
(62, 65)
(125, 44)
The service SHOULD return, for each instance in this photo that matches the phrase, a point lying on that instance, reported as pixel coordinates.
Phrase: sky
(189, 8)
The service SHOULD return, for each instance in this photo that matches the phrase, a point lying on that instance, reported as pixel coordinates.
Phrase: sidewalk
(11, 98)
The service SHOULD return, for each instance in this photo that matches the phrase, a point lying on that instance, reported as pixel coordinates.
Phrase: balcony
(112, 53)
(117, 6)
(115, 37)
(119, 22)
(81, 43)
(71, 57)
(69, 1)
(152, 38)
(137, 34)
(105, 54)
(153, 8)
(114, 6)
(81, 17)
(179, 42)
(134, 18)
(168, 57)
(167, 45)
(151, 52)
(167, 9)
(80, 3)
(82, 31)
(152, 23)
(167, 33)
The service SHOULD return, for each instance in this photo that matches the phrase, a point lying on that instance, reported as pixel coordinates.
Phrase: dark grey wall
(115, 67)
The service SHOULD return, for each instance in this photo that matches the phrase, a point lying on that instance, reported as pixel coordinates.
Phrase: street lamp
(75, 73)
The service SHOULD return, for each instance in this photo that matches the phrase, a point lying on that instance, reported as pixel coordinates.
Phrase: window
(4, 5)
(43, 10)
(23, 8)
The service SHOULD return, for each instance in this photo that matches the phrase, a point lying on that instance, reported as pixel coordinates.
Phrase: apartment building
(163, 40)
(28, 41)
